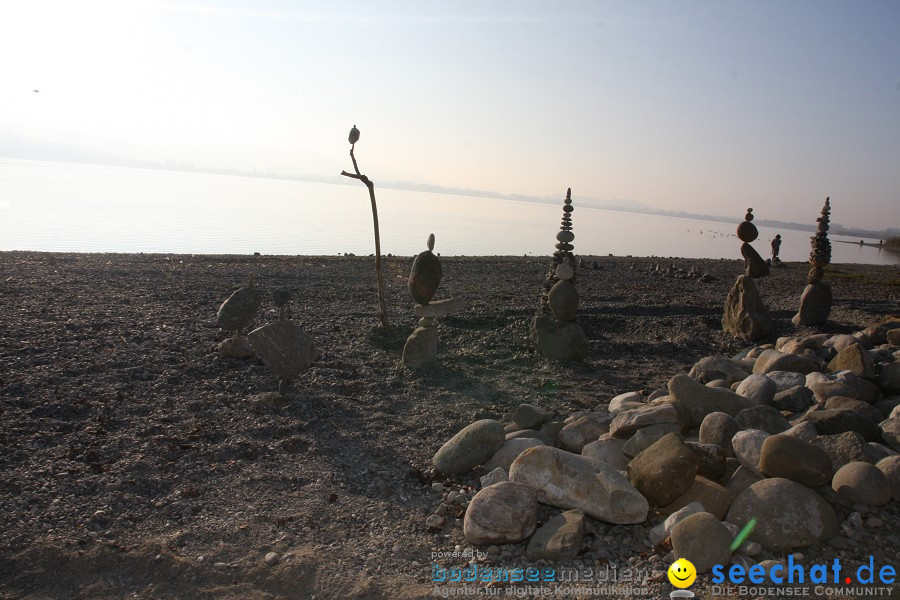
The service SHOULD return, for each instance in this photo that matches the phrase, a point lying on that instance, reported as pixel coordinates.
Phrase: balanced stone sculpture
(746, 317)
(285, 348)
(554, 331)
(424, 278)
(236, 314)
(815, 302)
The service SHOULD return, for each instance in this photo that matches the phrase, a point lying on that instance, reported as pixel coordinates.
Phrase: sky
(706, 107)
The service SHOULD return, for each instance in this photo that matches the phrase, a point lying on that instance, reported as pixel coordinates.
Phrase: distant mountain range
(18, 146)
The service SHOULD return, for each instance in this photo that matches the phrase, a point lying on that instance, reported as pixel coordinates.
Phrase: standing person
(776, 246)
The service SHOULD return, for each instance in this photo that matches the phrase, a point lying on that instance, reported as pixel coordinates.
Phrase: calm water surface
(85, 208)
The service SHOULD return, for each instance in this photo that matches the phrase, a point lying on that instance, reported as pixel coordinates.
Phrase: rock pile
(800, 435)
(746, 317)
(554, 330)
(424, 278)
(815, 302)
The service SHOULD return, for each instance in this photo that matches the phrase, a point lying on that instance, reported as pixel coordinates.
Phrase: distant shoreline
(439, 189)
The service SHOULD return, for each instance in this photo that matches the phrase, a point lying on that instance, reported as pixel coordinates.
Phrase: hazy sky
(700, 106)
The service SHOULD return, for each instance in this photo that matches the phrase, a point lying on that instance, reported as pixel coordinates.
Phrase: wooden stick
(379, 276)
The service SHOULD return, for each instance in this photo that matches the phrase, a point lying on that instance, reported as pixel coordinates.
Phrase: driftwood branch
(378, 272)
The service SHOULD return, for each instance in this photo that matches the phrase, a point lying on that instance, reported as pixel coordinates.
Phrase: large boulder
(472, 446)
(766, 418)
(796, 399)
(889, 378)
(626, 423)
(421, 347)
(758, 388)
(571, 481)
(580, 432)
(788, 515)
(424, 277)
(711, 368)
(529, 416)
(663, 471)
(719, 428)
(862, 483)
(239, 310)
(795, 459)
(715, 498)
(702, 539)
(773, 360)
(509, 451)
(747, 447)
(890, 432)
(746, 317)
(610, 450)
(284, 348)
(890, 466)
(815, 305)
(844, 448)
(694, 401)
(560, 538)
(839, 420)
(559, 340)
(853, 358)
(504, 513)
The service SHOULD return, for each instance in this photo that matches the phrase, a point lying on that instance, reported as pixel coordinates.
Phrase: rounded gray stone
(789, 515)
(472, 446)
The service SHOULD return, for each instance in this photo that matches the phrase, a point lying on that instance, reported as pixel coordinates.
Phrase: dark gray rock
(239, 310)
(796, 399)
(284, 347)
(663, 471)
(831, 422)
(424, 277)
(789, 515)
(795, 459)
(719, 428)
(766, 418)
(815, 305)
(559, 340)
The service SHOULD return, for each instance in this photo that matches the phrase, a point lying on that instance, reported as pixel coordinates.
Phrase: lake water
(85, 208)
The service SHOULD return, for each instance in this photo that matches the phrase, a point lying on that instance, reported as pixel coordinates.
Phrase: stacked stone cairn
(746, 317)
(554, 330)
(802, 435)
(815, 302)
(235, 314)
(420, 349)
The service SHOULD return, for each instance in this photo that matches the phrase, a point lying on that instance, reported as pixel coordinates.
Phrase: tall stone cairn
(816, 300)
(820, 255)
(746, 317)
(563, 254)
(554, 331)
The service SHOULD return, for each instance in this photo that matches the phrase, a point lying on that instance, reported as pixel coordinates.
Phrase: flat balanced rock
(284, 347)
(239, 310)
(425, 277)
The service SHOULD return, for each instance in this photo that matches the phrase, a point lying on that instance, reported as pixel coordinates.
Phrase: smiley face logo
(682, 573)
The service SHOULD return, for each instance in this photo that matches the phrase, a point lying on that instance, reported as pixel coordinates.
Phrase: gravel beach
(136, 462)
